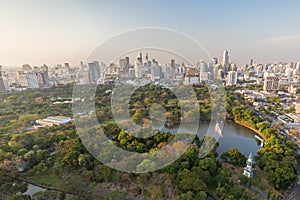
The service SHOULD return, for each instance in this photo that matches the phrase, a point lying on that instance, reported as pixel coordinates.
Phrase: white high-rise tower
(225, 61)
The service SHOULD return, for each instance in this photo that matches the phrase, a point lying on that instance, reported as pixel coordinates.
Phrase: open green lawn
(48, 178)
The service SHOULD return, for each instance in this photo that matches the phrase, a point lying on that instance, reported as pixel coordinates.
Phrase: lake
(233, 135)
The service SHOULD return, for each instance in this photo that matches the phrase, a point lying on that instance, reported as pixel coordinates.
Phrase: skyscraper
(215, 60)
(202, 66)
(32, 80)
(232, 67)
(2, 87)
(251, 62)
(94, 72)
(124, 66)
(22, 80)
(225, 61)
(271, 83)
(147, 57)
(231, 78)
(172, 63)
(138, 69)
(140, 57)
(26, 67)
(45, 75)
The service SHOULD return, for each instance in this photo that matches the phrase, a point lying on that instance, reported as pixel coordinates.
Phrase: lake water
(32, 189)
(233, 135)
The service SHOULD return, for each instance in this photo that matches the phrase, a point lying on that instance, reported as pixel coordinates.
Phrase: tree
(137, 117)
(201, 195)
(281, 177)
(156, 191)
(187, 196)
(85, 160)
(19, 197)
(22, 151)
(234, 156)
(48, 194)
(146, 165)
(208, 164)
(191, 181)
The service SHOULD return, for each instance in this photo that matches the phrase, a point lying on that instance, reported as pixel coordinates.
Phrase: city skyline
(68, 31)
(160, 56)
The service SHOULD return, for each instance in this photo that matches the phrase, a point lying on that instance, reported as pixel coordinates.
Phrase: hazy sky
(57, 31)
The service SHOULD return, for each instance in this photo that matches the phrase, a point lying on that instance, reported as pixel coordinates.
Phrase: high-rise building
(26, 67)
(271, 83)
(124, 66)
(131, 73)
(44, 68)
(155, 72)
(147, 57)
(94, 72)
(22, 80)
(215, 61)
(231, 78)
(203, 69)
(84, 77)
(172, 63)
(45, 78)
(232, 67)
(225, 61)
(220, 74)
(2, 87)
(67, 66)
(204, 77)
(45, 75)
(251, 62)
(127, 63)
(138, 69)
(215, 70)
(140, 57)
(32, 79)
(202, 66)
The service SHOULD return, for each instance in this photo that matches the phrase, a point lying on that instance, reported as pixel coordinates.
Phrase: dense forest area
(55, 157)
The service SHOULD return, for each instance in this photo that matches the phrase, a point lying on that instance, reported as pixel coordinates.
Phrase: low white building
(292, 122)
(50, 121)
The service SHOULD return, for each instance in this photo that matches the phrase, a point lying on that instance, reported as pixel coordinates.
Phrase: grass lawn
(48, 178)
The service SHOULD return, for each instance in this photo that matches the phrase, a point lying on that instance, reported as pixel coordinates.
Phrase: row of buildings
(272, 76)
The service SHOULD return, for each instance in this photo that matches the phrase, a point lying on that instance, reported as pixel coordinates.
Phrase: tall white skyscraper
(225, 61)
(138, 69)
(231, 78)
(202, 66)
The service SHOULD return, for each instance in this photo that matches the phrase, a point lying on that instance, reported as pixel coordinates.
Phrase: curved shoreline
(251, 128)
